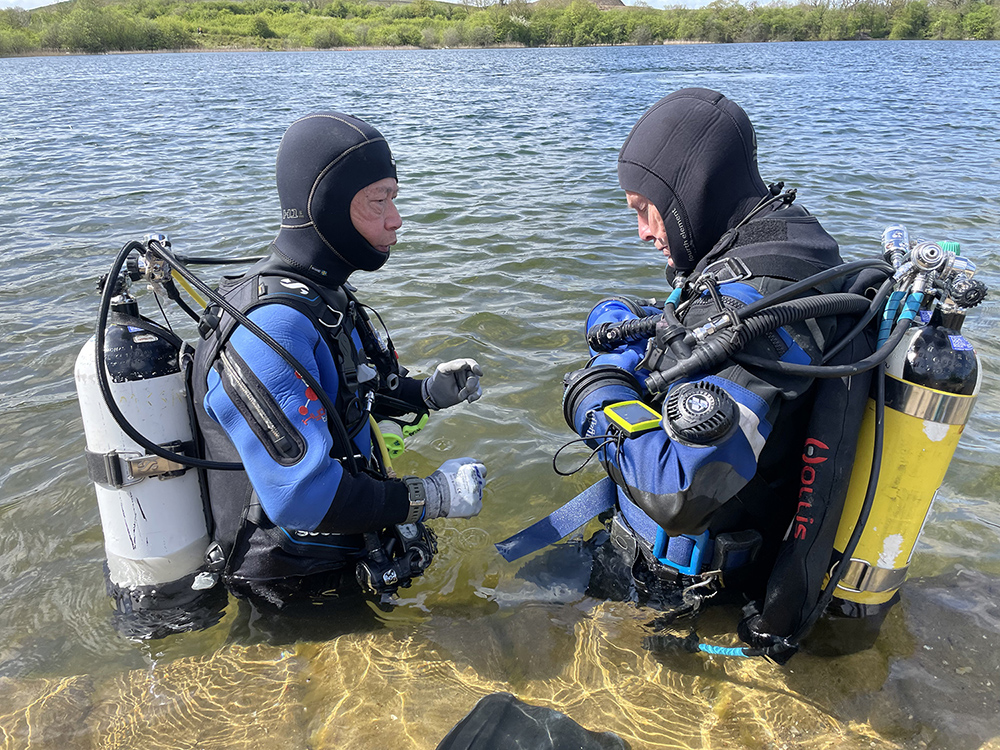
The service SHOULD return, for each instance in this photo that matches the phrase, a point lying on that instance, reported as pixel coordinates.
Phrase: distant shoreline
(355, 48)
(414, 48)
(121, 27)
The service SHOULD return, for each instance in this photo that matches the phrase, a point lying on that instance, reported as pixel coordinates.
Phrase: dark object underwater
(502, 721)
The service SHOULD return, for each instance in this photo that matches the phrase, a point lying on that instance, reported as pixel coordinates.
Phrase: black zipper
(282, 440)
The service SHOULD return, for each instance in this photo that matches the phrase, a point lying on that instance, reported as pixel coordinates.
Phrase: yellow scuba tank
(932, 379)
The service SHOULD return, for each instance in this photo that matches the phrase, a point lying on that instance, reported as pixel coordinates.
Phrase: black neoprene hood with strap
(323, 161)
(693, 155)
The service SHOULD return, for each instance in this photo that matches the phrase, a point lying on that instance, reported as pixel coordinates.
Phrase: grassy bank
(96, 26)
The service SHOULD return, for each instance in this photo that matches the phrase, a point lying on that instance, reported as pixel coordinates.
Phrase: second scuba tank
(152, 510)
(932, 379)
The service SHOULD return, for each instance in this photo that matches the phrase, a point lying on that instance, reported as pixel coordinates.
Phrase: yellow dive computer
(632, 418)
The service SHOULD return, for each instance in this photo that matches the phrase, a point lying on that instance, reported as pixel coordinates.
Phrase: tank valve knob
(967, 293)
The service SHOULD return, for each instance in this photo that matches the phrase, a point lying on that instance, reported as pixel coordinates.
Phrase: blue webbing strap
(595, 499)
(685, 552)
(639, 522)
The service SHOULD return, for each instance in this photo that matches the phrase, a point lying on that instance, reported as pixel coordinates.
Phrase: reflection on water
(395, 688)
(406, 683)
(513, 228)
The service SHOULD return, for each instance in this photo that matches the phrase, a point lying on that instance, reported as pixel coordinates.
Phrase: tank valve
(966, 292)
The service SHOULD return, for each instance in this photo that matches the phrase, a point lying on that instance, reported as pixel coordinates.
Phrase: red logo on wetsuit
(803, 512)
(311, 398)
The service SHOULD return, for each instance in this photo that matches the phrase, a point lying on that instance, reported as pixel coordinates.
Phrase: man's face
(651, 227)
(374, 214)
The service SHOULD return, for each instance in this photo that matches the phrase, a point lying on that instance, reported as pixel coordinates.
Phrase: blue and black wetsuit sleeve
(279, 427)
(680, 486)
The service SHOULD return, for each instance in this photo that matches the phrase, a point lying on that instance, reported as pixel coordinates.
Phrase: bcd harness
(336, 314)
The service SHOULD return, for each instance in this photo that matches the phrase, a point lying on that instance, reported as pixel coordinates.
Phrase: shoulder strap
(330, 310)
(781, 267)
(738, 268)
(328, 315)
(380, 351)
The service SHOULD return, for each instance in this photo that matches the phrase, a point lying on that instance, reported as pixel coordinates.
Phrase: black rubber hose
(102, 378)
(609, 336)
(338, 431)
(796, 310)
(175, 297)
(829, 371)
(878, 302)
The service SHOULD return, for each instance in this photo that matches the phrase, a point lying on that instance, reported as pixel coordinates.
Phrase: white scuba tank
(152, 510)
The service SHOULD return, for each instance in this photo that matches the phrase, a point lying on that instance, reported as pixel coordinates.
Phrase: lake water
(514, 227)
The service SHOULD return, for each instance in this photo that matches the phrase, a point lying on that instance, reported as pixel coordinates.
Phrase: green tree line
(125, 25)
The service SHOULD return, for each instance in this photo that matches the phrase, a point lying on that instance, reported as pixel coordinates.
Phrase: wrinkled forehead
(385, 188)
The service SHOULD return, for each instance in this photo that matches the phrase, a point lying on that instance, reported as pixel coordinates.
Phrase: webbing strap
(690, 555)
(595, 499)
(679, 551)
(684, 552)
(781, 267)
(641, 524)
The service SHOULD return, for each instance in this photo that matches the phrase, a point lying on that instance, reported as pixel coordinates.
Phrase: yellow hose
(188, 288)
(377, 437)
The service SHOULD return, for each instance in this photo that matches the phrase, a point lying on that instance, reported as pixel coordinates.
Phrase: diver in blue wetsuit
(706, 493)
(315, 499)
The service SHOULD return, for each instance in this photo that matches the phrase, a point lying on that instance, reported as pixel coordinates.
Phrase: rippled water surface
(514, 228)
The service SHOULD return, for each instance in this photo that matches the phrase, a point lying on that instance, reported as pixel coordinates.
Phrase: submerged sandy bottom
(406, 685)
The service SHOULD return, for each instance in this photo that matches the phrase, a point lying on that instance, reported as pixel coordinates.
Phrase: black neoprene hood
(693, 155)
(323, 161)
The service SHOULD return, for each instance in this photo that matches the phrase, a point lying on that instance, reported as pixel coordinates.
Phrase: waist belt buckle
(699, 552)
(728, 270)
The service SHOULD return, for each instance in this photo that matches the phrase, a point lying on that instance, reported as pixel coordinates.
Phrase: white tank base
(153, 571)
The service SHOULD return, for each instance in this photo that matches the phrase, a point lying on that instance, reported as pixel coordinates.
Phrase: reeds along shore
(93, 26)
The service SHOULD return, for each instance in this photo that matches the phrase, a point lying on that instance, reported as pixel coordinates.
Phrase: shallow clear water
(514, 228)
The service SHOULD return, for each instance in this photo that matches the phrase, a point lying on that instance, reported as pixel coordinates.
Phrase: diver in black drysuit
(689, 169)
(293, 525)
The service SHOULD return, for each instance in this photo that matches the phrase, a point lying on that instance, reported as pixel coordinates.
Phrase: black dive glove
(452, 383)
